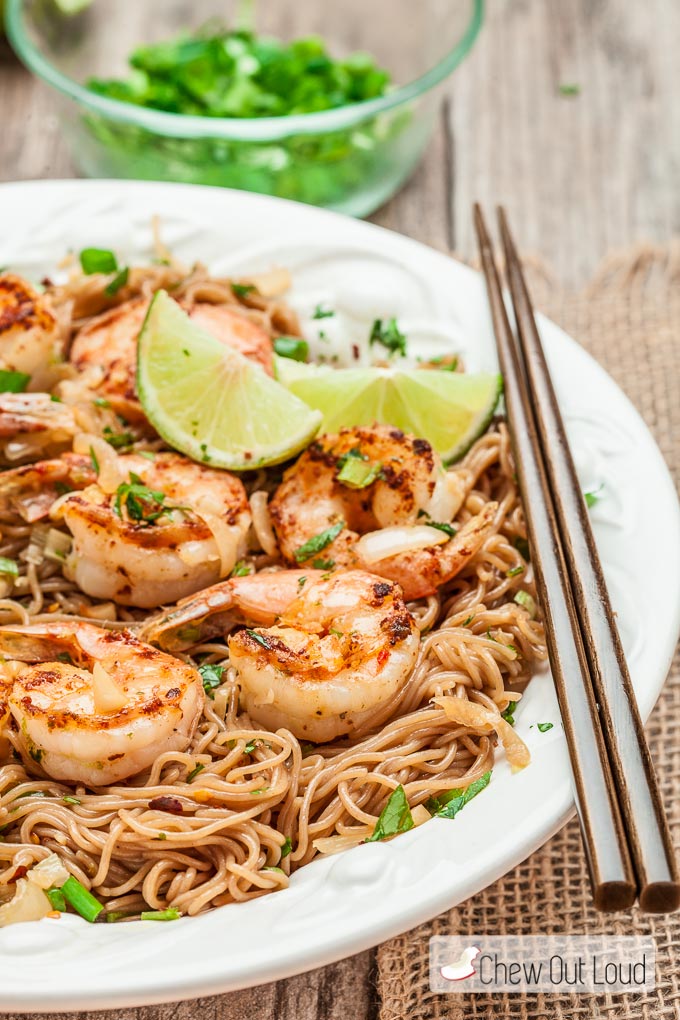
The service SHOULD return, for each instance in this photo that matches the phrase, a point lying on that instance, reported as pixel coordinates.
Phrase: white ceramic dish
(344, 904)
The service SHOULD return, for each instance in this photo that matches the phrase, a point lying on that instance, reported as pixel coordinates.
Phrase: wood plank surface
(581, 174)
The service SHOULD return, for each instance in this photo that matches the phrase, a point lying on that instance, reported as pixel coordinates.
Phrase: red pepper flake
(383, 656)
(171, 805)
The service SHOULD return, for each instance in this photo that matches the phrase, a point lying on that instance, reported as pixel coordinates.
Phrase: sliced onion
(226, 537)
(336, 844)
(262, 522)
(48, 873)
(108, 696)
(109, 475)
(380, 545)
(29, 903)
(485, 720)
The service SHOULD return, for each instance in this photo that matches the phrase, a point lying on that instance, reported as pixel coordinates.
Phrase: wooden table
(580, 174)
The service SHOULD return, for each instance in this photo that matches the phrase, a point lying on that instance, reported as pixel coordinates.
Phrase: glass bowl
(350, 159)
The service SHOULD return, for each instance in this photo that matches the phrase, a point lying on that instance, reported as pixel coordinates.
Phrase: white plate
(347, 903)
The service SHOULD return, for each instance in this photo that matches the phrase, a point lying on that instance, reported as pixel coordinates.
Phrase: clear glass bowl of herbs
(330, 104)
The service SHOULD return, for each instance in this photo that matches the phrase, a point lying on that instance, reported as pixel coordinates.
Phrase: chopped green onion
(514, 572)
(394, 818)
(358, 474)
(8, 568)
(98, 260)
(240, 570)
(119, 280)
(93, 459)
(261, 640)
(250, 746)
(524, 599)
(57, 899)
(211, 675)
(287, 847)
(466, 623)
(81, 899)
(70, 799)
(291, 347)
(318, 542)
(118, 440)
(447, 805)
(101, 402)
(323, 313)
(13, 382)
(545, 726)
(448, 529)
(171, 914)
(569, 89)
(194, 772)
(322, 564)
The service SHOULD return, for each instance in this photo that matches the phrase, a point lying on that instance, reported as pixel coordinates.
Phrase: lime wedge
(450, 409)
(211, 402)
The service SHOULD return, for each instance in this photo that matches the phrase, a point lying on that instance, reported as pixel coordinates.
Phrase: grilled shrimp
(32, 489)
(329, 649)
(105, 350)
(33, 425)
(155, 530)
(30, 338)
(96, 706)
(364, 497)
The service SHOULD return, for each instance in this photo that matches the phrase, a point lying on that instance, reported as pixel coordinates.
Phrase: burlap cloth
(629, 319)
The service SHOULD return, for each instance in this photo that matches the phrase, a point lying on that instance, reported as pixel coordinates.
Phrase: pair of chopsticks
(624, 828)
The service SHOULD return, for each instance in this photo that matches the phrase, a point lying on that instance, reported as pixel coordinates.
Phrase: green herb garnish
(447, 805)
(250, 747)
(448, 529)
(70, 799)
(569, 90)
(142, 504)
(389, 335)
(323, 313)
(322, 564)
(524, 599)
(94, 461)
(241, 290)
(240, 570)
(98, 260)
(119, 280)
(508, 714)
(261, 640)
(81, 899)
(292, 347)
(394, 818)
(593, 497)
(194, 772)
(545, 726)
(101, 402)
(358, 472)
(211, 675)
(522, 547)
(118, 440)
(13, 382)
(8, 568)
(57, 899)
(514, 572)
(318, 542)
(170, 914)
(287, 847)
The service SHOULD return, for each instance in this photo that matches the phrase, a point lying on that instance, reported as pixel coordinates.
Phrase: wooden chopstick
(640, 804)
(609, 864)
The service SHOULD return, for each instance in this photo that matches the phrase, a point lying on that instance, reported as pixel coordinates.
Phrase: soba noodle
(232, 817)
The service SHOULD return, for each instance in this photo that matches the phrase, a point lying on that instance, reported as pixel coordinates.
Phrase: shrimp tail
(194, 619)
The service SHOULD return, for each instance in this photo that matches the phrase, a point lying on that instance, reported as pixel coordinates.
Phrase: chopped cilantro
(301, 582)
(118, 440)
(468, 621)
(261, 640)
(101, 402)
(394, 818)
(250, 746)
(119, 280)
(447, 805)
(98, 260)
(389, 336)
(241, 290)
(508, 714)
(448, 529)
(211, 675)
(570, 89)
(240, 570)
(194, 772)
(593, 497)
(514, 572)
(287, 847)
(323, 313)
(318, 542)
(94, 461)
(321, 564)
(143, 505)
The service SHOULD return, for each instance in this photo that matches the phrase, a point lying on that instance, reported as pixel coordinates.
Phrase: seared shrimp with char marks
(105, 350)
(365, 498)
(333, 648)
(31, 490)
(30, 337)
(95, 706)
(157, 530)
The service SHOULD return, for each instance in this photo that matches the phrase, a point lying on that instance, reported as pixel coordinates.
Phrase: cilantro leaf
(211, 675)
(545, 726)
(98, 260)
(119, 280)
(323, 313)
(389, 336)
(394, 818)
(447, 805)
(508, 713)
(293, 347)
(318, 542)
(13, 382)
